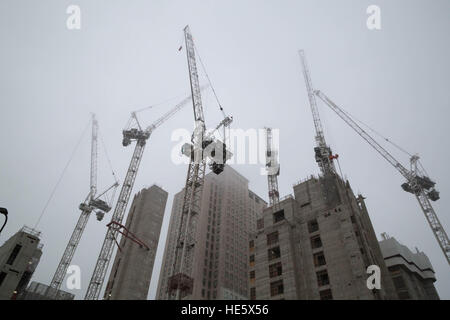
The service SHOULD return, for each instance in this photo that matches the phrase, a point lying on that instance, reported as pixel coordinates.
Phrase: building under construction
(316, 244)
(133, 265)
(228, 215)
(223, 241)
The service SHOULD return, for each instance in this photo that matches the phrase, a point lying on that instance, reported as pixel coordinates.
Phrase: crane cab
(100, 204)
(102, 207)
(84, 207)
(133, 134)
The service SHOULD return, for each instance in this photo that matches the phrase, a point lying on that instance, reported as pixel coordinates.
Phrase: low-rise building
(19, 257)
(412, 273)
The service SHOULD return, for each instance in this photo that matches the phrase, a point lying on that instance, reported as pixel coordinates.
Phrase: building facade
(40, 291)
(412, 273)
(229, 211)
(19, 257)
(316, 245)
(133, 264)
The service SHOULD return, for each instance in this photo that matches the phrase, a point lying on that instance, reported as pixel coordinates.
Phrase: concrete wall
(411, 272)
(15, 273)
(169, 250)
(347, 245)
(133, 264)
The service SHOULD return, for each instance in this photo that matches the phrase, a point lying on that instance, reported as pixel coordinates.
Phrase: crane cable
(116, 178)
(209, 81)
(130, 121)
(424, 171)
(61, 175)
(160, 103)
(215, 95)
(376, 132)
(211, 85)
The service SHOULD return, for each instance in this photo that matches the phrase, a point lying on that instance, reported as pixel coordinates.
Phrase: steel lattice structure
(416, 182)
(92, 202)
(140, 136)
(323, 152)
(180, 283)
(273, 170)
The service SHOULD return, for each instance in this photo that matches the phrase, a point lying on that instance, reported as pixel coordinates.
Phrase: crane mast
(323, 153)
(86, 208)
(141, 137)
(416, 182)
(181, 282)
(273, 170)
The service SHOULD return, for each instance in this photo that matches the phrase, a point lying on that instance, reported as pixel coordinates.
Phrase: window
(399, 283)
(326, 295)
(260, 224)
(316, 242)
(14, 254)
(319, 259)
(272, 238)
(278, 216)
(251, 244)
(274, 253)
(313, 226)
(276, 288)
(275, 270)
(352, 218)
(252, 293)
(394, 270)
(252, 274)
(252, 260)
(2, 277)
(322, 278)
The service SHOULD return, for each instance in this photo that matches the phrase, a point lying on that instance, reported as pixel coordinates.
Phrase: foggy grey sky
(126, 57)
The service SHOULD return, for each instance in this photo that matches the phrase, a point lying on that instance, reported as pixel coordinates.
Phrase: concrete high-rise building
(316, 245)
(229, 211)
(133, 264)
(411, 272)
(19, 257)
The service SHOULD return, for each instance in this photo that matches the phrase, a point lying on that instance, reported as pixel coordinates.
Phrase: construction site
(179, 218)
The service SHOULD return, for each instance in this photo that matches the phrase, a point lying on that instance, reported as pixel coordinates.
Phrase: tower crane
(323, 154)
(203, 146)
(91, 203)
(417, 182)
(141, 136)
(273, 170)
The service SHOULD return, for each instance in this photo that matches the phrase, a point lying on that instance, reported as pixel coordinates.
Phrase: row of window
(275, 270)
(276, 288)
(319, 260)
(277, 217)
